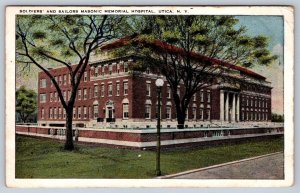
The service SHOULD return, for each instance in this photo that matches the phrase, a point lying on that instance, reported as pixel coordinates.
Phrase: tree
(193, 50)
(64, 39)
(277, 117)
(26, 103)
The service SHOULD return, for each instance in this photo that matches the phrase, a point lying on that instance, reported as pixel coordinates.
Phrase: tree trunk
(180, 120)
(69, 145)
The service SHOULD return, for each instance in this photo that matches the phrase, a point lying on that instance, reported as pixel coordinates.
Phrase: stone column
(238, 108)
(233, 108)
(221, 105)
(227, 106)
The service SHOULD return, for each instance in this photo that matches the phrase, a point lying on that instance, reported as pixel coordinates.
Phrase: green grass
(45, 158)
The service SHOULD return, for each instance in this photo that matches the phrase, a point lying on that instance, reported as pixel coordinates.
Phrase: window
(85, 112)
(243, 115)
(50, 113)
(125, 67)
(195, 97)
(118, 68)
(194, 113)
(208, 114)
(69, 94)
(90, 112)
(96, 71)
(74, 113)
(110, 90)
(95, 91)
(59, 80)
(148, 89)
(125, 88)
(125, 111)
(64, 113)
(247, 102)
(91, 93)
(168, 92)
(118, 89)
(43, 83)
(85, 78)
(65, 79)
(110, 69)
(168, 112)
(55, 96)
(147, 111)
(266, 104)
(95, 111)
(201, 96)
(51, 96)
(85, 96)
(43, 98)
(55, 113)
(59, 112)
(79, 94)
(65, 95)
(208, 96)
(187, 113)
(201, 114)
(42, 113)
(103, 69)
(79, 112)
(102, 90)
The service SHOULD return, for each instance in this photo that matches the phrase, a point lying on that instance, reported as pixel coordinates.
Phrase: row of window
(254, 116)
(108, 70)
(255, 102)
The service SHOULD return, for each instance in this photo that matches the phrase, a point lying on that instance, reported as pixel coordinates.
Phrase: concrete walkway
(269, 166)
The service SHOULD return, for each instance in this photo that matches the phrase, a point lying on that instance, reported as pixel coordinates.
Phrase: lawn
(45, 158)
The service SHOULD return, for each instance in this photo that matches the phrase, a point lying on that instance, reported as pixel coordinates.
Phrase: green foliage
(26, 102)
(40, 158)
(277, 118)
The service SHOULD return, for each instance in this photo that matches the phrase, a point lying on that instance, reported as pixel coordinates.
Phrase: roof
(163, 46)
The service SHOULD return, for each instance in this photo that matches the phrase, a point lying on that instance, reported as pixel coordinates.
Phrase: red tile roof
(163, 46)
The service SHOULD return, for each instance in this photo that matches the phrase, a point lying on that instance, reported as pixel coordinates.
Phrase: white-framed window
(243, 115)
(96, 71)
(50, 113)
(102, 90)
(85, 76)
(201, 95)
(247, 101)
(96, 113)
(168, 92)
(201, 114)
(64, 113)
(51, 96)
(43, 83)
(194, 97)
(125, 110)
(59, 113)
(95, 91)
(266, 104)
(69, 94)
(208, 96)
(79, 112)
(91, 93)
(148, 89)
(168, 112)
(43, 98)
(55, 96)
(79, 94)
(74, 113)
(125, 88)
(59, 80)
(42, 113)
(118, 68)
(85, 96)
(147, 111)
(85, 113)
(90, 112)
(118, 89)
(65, 95)
(110, 69)
(65, 79)
(55, 113)
(110, 90)
(103, 70)
(187, 113)
(125, 67)
(208, 114)
(194, 113)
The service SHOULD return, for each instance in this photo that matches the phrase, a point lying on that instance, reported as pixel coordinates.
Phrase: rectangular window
(85, 112)
(168, 92)
(43, 98)
(55, 113)
(195, 97)
(118, 89)
(43, 83)
(194, 113)
(147, 111)
(85, 76)
(65, 79)
(79, 94)
(85, 96)
(201, 96)
(55, 96)
(102, 90)
(91, 93)
(125, 111)
(118, 68)
(148, 89)
(79, 112)
(95, 111)
(51, 96)
(69, 94)
(110, 69)
(110, 90)
(59, 80)
(103, 70)
(64, 113)
(59, 112)
(95, 91)
(201, 114)
(168, 112)
(208, 96)
(208, 114)
(43, 113)
(96, 71)
(125, 67)
(125, 88)
(74, 113)
(50, 113)
(90, 112)
(65, 95)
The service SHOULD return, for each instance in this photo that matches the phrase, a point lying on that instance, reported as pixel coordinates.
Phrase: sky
(273, 28)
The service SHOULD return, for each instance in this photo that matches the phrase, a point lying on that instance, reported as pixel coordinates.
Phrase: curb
(215, 166)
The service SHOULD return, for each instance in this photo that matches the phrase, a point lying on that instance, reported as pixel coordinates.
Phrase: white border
(288, 14)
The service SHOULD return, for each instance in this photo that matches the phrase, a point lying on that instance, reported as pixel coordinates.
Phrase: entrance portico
(229, 106)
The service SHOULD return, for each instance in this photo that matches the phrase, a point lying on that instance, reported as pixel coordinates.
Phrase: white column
(233, 108)
(238, 108)
(226, 106)
(221, 105)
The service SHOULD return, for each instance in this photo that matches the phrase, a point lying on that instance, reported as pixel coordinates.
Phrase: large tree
(193, 51)
(26, 103)
(64, 40)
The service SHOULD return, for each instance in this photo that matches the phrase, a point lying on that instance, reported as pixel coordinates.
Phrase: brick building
(111, 95)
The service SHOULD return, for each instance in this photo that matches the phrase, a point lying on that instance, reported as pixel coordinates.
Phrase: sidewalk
(269, 166)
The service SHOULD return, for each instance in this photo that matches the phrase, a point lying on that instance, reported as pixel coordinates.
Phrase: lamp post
(159, 83)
